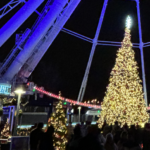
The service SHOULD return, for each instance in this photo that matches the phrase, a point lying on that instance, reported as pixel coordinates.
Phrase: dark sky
(62, 67)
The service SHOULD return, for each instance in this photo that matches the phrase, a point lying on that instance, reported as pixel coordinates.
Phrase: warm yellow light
(79, 107)
(19, 91)
(59, 123)
(124, 100)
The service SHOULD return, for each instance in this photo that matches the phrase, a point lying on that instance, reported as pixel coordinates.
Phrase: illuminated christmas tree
(5, 133)
(124, 101)
(58, 120)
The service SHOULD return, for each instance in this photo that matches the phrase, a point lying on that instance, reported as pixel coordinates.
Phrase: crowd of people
(40, 140)
(90, 137)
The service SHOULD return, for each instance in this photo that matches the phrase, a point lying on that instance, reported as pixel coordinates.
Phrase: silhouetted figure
(131, 143)
(146, 137)
(69, 131)
(34, 127)
(46, 142)
(117, 134)
(74, 143)
(110, 144)
(83, 129)
(87, 125)
(106, 129)
(35, 137)
(91, 140)
(102, 139)
(123, 140)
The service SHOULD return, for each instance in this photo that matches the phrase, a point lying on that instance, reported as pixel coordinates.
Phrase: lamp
(79, 112)
(18, 91)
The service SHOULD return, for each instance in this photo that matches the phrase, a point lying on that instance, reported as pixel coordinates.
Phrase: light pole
(19, 92)
(79, 113)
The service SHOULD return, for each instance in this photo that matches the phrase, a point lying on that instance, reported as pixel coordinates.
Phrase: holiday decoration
(74, 102)
(58, 120)
(9, 101)
(124, 100)
(23, 131)
(5, 133)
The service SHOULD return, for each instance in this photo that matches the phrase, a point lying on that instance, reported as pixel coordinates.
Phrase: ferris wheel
(34, 42)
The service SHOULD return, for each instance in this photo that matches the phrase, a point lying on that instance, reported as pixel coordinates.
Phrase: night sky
(62, 67)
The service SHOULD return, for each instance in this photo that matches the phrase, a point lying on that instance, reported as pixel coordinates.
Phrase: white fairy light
(128, 22)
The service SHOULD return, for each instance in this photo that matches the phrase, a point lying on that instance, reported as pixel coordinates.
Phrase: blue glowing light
(5, 89)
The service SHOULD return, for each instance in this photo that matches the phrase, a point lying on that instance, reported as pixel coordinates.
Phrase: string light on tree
(5, 133)
(73, 102)
(124, 100)
(59, 120)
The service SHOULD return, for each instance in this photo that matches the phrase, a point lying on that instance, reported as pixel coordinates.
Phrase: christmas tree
(58, 120)
(124, 101)
(5, 133)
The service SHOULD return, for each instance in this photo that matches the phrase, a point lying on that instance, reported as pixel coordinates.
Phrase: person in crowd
(110, 144)
(116, 134)
(69, 131)
(83, 128)
(91, 140)
(74, 143)
(138, 135)
(131, 144)
(33, 127)
(106, 129)
(35, 137)
(88, 124)
(123, 140)
(46, 143)
(102, 139)
(146, 137)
